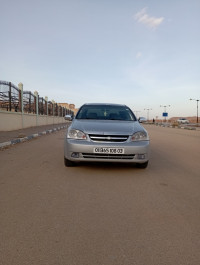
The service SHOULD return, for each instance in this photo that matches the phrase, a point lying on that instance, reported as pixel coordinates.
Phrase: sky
(145, 54)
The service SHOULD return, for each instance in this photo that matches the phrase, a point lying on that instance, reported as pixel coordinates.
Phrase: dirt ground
(101, 214)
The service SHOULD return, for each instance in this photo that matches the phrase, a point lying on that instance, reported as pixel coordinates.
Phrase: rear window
(105, 112)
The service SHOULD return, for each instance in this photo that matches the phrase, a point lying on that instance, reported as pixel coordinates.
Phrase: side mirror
(68, 117)
(142, 119)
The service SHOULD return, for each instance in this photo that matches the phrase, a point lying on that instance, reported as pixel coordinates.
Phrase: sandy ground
(101, 214)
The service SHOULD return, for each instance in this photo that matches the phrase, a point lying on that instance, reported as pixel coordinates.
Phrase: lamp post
(197, 100)
(148, 113)
(136, 112)
(165, 110)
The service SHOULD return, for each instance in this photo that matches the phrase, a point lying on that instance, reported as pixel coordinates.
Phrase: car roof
(108, 104)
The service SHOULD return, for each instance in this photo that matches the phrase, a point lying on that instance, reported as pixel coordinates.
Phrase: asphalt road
(101, 214)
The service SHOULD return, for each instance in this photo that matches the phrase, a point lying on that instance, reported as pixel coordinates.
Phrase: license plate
(108, 150)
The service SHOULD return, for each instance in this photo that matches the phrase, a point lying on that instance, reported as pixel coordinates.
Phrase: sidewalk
(13, 137)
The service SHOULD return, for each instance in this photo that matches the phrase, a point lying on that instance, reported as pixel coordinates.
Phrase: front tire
(68, 163)
(142, 165)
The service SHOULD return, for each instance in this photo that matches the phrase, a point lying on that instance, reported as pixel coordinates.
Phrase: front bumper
(82, 150)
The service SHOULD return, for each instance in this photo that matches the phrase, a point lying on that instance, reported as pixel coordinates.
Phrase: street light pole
(165, 109)
(197, 100)
(136, 111)
(148, 113)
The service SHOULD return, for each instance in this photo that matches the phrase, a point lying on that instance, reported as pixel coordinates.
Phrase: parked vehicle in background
(142, 119)
(106, 133)
(183, 121)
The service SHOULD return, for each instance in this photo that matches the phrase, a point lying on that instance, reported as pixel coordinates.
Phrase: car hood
(107, 127)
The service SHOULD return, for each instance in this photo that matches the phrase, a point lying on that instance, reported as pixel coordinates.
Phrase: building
(69, 106)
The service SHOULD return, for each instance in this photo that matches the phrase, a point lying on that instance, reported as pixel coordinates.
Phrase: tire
(142, 165)
(68, 163)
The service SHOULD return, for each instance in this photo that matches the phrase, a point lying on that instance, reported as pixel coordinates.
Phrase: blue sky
(140, 53)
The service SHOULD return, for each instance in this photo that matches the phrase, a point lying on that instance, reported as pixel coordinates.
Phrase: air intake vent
(108, 138)
(108, 156)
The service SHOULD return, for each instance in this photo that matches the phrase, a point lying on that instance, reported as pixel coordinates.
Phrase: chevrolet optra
(106, 133)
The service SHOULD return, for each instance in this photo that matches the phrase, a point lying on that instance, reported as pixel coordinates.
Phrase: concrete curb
(27, 138)
(177, 127)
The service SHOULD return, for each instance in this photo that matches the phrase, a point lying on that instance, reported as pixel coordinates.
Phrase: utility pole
(136, 112)
(165, 114)
(197, 100)
(148, 113)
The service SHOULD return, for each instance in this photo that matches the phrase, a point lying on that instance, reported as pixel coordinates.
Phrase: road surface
(101, 214)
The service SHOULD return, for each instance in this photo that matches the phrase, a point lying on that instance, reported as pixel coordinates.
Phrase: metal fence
(16, 100)
(42, 106)
(29, 102)
(50, 108)
(9, 96)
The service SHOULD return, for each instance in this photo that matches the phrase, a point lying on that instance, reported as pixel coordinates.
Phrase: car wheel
(68, 163)
(142, 165)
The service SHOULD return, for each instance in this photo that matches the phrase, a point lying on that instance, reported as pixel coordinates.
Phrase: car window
(105, 112)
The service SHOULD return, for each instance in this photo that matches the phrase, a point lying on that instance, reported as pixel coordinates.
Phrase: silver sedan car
(106, 133)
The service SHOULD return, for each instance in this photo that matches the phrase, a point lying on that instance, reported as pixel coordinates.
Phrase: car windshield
(105, 112)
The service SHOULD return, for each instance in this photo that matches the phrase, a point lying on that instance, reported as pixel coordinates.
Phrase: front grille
(108, 138)
(108, 156)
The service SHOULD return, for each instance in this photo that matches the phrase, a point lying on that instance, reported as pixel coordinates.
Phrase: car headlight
(76, 134)
(140, 136)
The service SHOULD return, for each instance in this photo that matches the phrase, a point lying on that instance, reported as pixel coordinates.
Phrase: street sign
(165, 114)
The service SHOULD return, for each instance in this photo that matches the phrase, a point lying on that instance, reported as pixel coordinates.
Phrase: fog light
(75, 155)
(141, 156)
